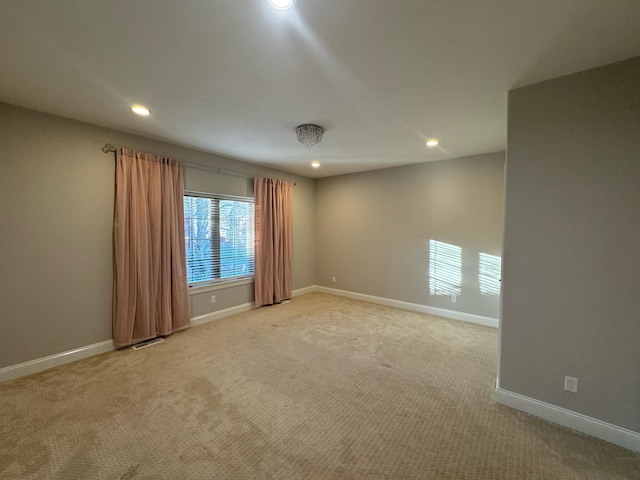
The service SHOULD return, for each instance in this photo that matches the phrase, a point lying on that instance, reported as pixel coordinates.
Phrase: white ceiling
(235, 77)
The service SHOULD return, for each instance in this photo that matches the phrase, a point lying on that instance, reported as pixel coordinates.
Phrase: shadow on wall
(450, 272)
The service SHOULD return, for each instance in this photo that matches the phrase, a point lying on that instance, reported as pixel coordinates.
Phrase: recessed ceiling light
(140, 110)
(315, 164)
(432, 142)
(281, 4)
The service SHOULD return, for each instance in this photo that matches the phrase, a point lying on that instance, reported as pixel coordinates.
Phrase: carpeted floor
(322, 387)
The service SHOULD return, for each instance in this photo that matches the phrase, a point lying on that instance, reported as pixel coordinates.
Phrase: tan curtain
(273, 240)
(150, 281)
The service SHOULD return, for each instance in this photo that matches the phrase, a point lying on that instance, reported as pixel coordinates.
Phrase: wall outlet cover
(571, 384)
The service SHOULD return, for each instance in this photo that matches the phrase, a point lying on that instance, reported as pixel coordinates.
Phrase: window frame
(218, 282)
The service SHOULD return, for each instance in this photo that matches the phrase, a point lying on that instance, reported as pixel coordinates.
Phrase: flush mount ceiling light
(140, 110)
(281, 4)
(315, 164)
(432, 142)
(309, 135)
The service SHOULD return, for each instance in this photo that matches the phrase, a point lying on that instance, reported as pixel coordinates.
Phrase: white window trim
(193, 193)
(210, 287)
(218, 284)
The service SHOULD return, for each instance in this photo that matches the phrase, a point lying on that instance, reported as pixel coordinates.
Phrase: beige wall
(374, 228)
(56, 214)
(571, 276)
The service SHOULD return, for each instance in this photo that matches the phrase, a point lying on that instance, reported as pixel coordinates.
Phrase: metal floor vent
(147, 343)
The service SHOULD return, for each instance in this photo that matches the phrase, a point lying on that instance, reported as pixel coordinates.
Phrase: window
(218, 233)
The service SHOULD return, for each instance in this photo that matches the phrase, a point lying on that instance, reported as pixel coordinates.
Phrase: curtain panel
(273, 240)
(150, 296)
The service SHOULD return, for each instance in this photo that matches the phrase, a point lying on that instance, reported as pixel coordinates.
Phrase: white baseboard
(573, 420)
(45, 363)
(210, 317)
(302, 291)
(414, 307)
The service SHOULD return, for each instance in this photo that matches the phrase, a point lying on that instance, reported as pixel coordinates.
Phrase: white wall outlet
(571, 384)
(454, 298)
(333, 279)
(213, 299)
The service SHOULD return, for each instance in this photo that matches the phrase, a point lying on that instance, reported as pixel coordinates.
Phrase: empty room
(320, 239)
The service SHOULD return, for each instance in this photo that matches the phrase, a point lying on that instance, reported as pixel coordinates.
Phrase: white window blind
(219, 237)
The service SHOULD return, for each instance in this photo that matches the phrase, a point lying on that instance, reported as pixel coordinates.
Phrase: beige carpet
(323, 387)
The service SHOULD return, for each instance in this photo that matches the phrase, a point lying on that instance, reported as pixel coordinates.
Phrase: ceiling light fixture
(140, 110)
(432, 142)
(281, 4)
(315, 164)
(309, 135)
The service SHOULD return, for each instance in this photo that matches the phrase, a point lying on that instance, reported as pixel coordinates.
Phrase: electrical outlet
(213, 299)
(454, 298)
(571, 384)
(333, 279)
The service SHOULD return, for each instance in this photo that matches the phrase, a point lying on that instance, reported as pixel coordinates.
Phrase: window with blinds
(218, 237)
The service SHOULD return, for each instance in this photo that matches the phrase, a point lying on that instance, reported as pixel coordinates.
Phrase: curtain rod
(108, 148)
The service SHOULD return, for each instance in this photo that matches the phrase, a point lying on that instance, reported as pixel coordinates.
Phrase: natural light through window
(218, 238)
(489, 267)
(445, 268)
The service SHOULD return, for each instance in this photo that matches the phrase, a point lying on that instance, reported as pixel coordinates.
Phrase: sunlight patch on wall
(445, 268)
(489, 268)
